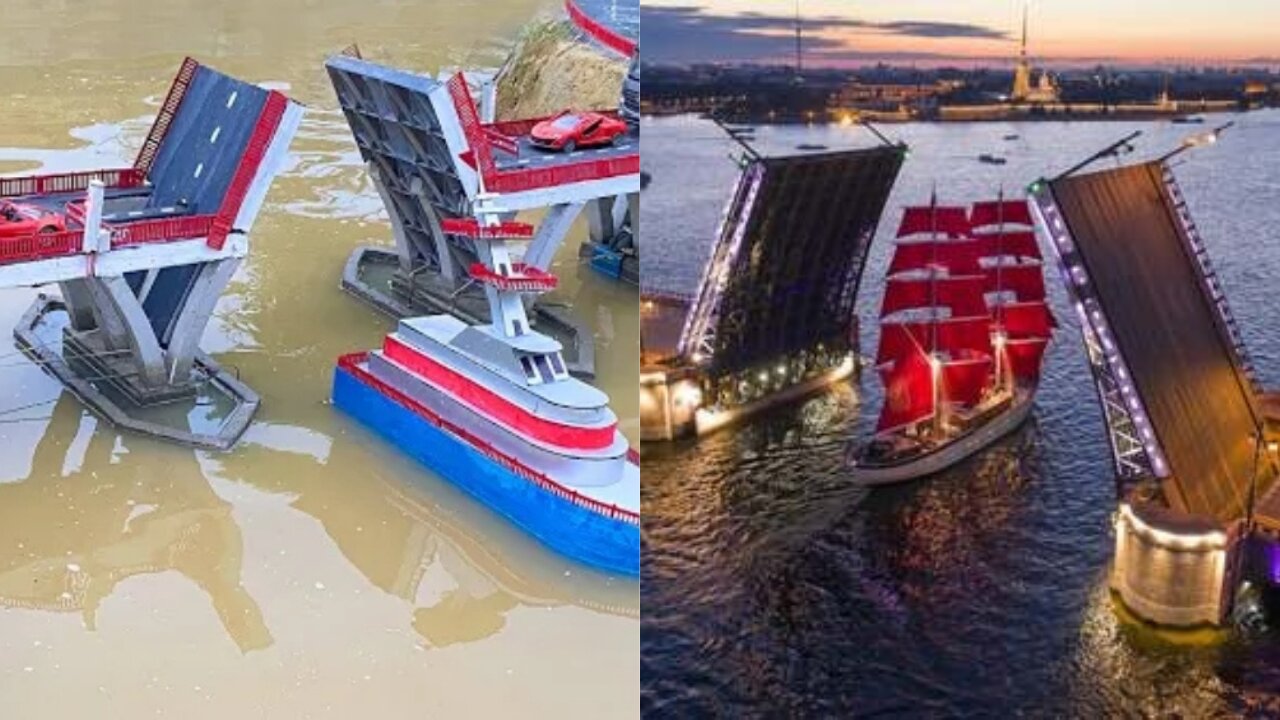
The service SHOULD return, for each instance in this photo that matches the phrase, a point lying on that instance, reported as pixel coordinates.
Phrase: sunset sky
(852, 32)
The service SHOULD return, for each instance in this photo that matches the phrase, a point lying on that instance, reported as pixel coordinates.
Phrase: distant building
(1024, 89)
(862, 95)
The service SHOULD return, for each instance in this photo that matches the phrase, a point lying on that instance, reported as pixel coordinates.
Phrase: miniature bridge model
(614, 24)
(431, 156)
(142, 253)
(1179, 396)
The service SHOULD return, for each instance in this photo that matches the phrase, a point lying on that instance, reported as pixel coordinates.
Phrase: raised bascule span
(773, 316)
(432, 155)
(1185, 416)
(478, 390)
(146, 252)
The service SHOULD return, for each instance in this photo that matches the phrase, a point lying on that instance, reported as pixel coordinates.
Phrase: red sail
(908, 393)
(963, 295)
(959, 257)
(1024, 357)
(944, 221)
(1018, 244)
(964, 380)
(1026, 282)
(1027, 320)
(993, 212)
(900, 339)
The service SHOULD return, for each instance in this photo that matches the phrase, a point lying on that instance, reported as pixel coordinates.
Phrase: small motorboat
(810, 146)
(1187, 119)
(991, 159)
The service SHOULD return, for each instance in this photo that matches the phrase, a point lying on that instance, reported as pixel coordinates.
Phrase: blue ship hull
(562, 525)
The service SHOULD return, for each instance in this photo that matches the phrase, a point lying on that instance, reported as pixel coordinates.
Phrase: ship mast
(935, 365)
(999, 339)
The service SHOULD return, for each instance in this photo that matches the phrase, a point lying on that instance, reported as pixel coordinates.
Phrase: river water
(312, 571)
(770, 583)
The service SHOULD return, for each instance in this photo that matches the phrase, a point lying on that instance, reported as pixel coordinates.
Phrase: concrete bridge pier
(613, 226)
(1176, 569)
(121, 331)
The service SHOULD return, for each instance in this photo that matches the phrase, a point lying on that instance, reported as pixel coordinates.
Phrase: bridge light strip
(1092, 316)
(717, 273)
(1215, 540)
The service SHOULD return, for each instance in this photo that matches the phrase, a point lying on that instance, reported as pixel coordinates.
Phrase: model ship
(963, 330)
(493, 409)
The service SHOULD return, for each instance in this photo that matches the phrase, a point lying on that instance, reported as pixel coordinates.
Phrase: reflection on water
(770, 581)
(313, 571)
(84, 521)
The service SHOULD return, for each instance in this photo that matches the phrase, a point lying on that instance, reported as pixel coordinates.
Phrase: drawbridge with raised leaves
(435, 155)
(1185, 416)
(142, 253)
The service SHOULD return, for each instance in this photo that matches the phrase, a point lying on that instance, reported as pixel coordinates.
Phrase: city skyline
(982, 32)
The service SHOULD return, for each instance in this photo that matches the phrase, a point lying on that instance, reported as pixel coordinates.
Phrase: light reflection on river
(313, 571)
(770, 581)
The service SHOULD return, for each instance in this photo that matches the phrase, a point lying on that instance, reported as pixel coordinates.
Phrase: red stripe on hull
(351, 364)
(496, 407)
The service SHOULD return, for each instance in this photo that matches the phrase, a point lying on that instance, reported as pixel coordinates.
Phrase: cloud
(915, 28)
(679, 34)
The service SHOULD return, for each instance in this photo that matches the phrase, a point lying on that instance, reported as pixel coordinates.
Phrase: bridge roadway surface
(1145, 275)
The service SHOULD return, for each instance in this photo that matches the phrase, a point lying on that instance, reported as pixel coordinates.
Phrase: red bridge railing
(268, 121)
(169, 110)
(41, 246)
(69, 182)
(604, 35)
(161, 230)
(472, 228)
(351, 363)
(524, 278)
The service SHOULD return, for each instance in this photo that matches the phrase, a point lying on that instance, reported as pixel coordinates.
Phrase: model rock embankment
(552, 69)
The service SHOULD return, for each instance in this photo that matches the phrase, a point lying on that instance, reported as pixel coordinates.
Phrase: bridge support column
(551, 233)
(1174, 569)
(111, 335)
(188, 327)
(602, 223)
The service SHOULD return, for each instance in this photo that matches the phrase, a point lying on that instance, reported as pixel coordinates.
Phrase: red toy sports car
(21, 220)
(571, 130)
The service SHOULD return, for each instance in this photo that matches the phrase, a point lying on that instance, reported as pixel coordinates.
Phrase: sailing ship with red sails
(963, 329)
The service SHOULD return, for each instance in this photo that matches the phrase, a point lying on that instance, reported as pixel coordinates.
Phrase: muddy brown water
(312, 571)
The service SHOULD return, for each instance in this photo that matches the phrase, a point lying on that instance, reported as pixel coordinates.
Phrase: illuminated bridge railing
(1135, 449)
(1211, 280)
